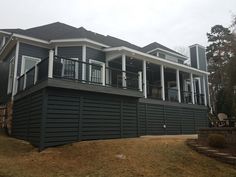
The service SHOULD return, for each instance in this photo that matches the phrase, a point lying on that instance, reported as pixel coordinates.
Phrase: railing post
(123, 71)
(192, 87)
(50, 64)
(140, 81)
(178, 85)
(162, 82)
(35, 74)
(144, 79)
(107, 73)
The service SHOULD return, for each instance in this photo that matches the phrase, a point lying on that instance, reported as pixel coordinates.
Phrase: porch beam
(144, 79)
(83, 60)
(178, 85)
(123, 70)
(192, 87)
(162, 82)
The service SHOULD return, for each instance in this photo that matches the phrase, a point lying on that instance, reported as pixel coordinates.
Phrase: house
(69, 84)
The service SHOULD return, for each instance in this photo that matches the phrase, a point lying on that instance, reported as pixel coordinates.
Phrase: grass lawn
(167, 157)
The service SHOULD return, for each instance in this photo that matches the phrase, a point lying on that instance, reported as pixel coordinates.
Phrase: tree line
(221, 56)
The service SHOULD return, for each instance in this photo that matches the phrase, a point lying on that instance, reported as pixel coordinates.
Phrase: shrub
(216, 140)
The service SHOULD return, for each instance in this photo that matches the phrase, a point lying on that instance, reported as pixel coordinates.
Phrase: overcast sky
(173, 23)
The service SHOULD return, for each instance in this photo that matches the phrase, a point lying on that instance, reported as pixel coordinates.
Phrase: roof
(156, 45)
(57, 30)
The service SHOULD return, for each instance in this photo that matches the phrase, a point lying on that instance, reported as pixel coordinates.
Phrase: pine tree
(218, 55)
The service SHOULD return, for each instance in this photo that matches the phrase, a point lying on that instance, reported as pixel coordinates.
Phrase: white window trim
(199, 85)
(76, 67)
(103, 70)
(23, 62)
(9, 71)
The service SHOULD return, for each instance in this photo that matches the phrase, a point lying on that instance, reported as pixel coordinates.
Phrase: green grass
(144, 157)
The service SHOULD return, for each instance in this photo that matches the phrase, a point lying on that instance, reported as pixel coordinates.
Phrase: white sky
(172, 23)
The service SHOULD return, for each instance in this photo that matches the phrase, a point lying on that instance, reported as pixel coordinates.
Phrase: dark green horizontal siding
(27, 114)
(176, 119)
(55, 116)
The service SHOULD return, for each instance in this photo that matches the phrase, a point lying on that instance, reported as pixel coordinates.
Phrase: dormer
(163, 52)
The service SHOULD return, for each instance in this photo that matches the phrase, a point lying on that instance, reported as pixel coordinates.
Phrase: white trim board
(23, 62)
(168, 52)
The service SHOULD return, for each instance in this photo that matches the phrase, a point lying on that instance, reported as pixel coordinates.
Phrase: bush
(216, 140)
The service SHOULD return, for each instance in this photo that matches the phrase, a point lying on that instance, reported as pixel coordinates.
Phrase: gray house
(69, 84)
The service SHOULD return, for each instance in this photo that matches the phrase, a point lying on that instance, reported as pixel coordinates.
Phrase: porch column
(204, 90)
(84, 65)
(192, 87)
(15, 79)
(144, 79)
(162, 82)
(50, 64)
(178, 85)
(123, 71)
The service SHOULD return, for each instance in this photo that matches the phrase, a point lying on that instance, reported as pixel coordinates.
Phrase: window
(96, 72)
(11, 75)
(161, 55)
(70, 68)
(28, 63)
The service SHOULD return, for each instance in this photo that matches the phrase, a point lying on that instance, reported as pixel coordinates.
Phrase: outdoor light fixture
(234, 90)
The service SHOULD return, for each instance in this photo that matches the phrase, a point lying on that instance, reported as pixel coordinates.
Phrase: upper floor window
(28, 63)
(161, 55)
(70, 68)
(96, 71)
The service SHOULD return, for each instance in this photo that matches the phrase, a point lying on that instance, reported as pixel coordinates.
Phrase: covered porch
(161, 80)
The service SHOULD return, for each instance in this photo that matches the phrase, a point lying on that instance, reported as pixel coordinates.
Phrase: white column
(103, 74)
(3, 41)
(84, 60)
(192, 87)
(178, 85)
(162, 83)
(50, 64)
(140, 81)
(15, 81)
(24, 83)
(204, 90)
(35, 73)
(124, 71)
(56, 50)
(144, 79)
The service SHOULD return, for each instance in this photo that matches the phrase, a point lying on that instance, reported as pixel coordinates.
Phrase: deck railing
(199, 98)
(154, 91)
(171, 94)
(84, 72)
(186, 97)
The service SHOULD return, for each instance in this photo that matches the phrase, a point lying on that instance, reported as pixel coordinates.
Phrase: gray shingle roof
(155, 45)
(59, 30)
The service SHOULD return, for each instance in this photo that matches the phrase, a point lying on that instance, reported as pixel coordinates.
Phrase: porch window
(11, 75)
(28, 63)
(70, 68)
(96, 70)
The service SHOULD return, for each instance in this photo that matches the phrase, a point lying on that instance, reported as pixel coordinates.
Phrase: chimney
(198, 57)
